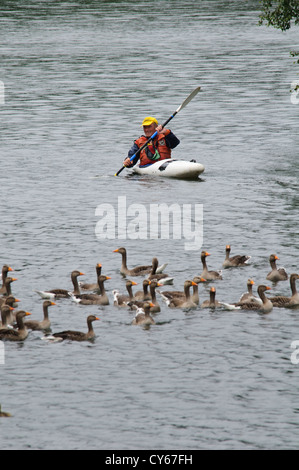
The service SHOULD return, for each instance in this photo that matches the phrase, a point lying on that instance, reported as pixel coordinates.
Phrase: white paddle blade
(188, 99)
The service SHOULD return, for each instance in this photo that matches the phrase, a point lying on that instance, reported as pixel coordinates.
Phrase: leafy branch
(279, 14)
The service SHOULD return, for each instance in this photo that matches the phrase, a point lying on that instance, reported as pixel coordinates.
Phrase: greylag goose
(167, 295)
(159, 277)
(206, 274)
(19, 334)
(183, 302)
(277, 274)
(265, 307)
(155, 308)
(62, 293)
(4, 414)
(282, 301)
(94, 299)
(78, 335)
(195, 295)
(143, 294)
(45, 323)
(6, 316)
(9, 300)
(7, 284)
(143, 316)
(234, 261)
(211, 302)
(5, 270)
(92, 286)
(121, 300)
(249, 295)
(137, 270)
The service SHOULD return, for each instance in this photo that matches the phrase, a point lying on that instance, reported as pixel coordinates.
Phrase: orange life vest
(159, 145)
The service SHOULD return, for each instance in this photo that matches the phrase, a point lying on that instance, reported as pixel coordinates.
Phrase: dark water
(79, 79)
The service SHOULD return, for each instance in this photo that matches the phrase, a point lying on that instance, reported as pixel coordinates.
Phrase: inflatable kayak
(171, 168)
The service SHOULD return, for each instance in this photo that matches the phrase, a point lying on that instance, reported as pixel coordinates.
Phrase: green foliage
(279, 14)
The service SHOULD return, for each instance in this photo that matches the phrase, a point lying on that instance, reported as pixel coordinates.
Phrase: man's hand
(160, 129)
(127, 162)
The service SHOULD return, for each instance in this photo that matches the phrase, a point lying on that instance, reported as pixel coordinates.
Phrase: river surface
(79, 78)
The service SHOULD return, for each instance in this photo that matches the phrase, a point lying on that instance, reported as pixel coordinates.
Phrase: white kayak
(171, 168)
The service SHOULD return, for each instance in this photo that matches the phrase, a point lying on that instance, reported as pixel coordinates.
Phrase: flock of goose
(14, 326)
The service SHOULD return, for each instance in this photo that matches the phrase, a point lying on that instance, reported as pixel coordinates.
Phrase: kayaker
(158, 149)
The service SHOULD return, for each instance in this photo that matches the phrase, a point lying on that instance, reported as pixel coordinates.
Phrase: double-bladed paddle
(187, 100)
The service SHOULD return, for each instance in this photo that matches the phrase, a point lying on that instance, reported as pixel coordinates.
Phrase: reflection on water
(79, 78)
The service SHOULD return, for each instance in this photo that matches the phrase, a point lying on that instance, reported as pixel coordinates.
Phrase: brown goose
(249, 295)
(206, 274)
(6, 316)
(159, 277)
(211, 302)
(62, 293)
(143, 294)
(265, 307)
(143, 316)
(7, 284)
(282, 301)
(9, 300)
(167, 295)
(19, 334)
(78, 335)
(183, 302)
(155, 308)
(121, 300)
(4, 414)
(234, 261)
(137, 271)
(45, 323)
(94, 299)
(195, 295)
(92, 286)
(277, 274)
(5, 270)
